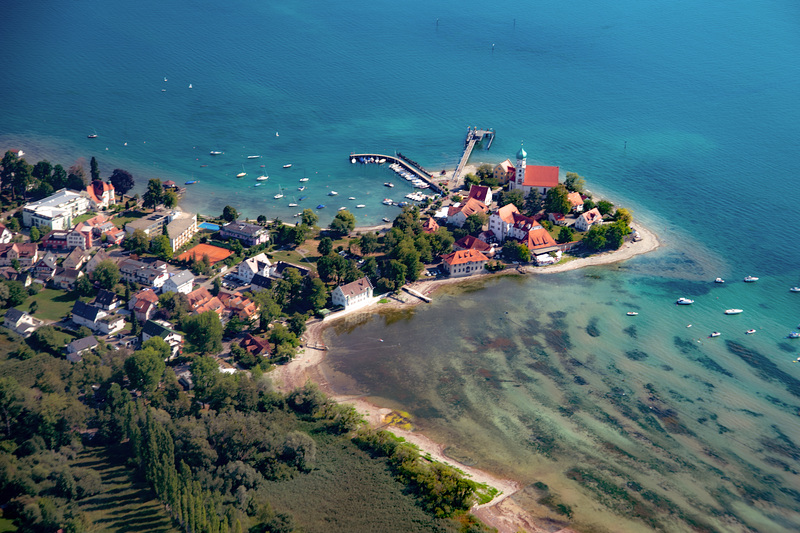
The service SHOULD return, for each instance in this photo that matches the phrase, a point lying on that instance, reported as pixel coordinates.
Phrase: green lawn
(120, 221)
(7, 526)
(123, 504)
(295, 256)
(83, 218)
(54, 304)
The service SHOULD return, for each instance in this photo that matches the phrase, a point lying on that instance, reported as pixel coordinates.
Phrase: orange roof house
(458, 215)
(576, 200)
(238, 305)
(254, 345)
(430, 225)
(201, 300)
(539, 239)
(101, 193)
(481, 193)
(464, 263)
(472, 243)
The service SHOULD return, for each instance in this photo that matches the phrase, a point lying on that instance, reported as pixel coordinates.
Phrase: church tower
(520, 167)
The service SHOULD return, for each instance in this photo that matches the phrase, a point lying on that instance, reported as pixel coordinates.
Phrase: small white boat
(795, 289)
(342, 208)
(303, 179)
(276, 134)
(257, 185)
(165, 78)
(287, 166)
(388, 184)
(190, 85)
(253, 156)
(353, 160)
(262, 178)
(793, 335)
(750, 279)
(733, 311)
(301, 188)
(360, 206)
(750, 332)
(332, 193)
(632, 313)
(385, 219)
(278, 196)
(292, 204)
(388, 201)
(715, 334)
(215, 152)
(352, 198)
(684, 301)
(242, 173)
(719, 280)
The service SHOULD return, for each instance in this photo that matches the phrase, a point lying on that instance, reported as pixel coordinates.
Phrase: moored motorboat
(302, 198)
(385, 219)
(278, 196)
(301, 188)
(631, 313)
(92, 136)
(750, 279)
(352, 198)
(342, 208)
(360, 206)
(388, 184)
(257, 185)
(288, 165)
(303, 179)
(253, 156)
(262, 178)
(715, 334)
(684, 301)
(321, 206)
(190, 182)
(733, 311)
(719, 280)
(332, 193)
(793, 335)
(795, 289)
(750, 332)
(293, 204)
(387, 201)
(215, 152)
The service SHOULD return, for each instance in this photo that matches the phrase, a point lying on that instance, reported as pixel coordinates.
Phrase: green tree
(485, 172)
(154, 195)
(368, 243)
(574, 182)
(216, 286)
(557, 201)
(229, 214)
(13, 224)
(595, 238)
(59, 177)
(317, 294)
(533, 201)
(136, 242)
(84, 286)
(261, 219)
(161, 247)
(122, 180)
(145, 369)
(174, 305)
(169, 199)
(325, 246)
(106, 274)
(297, 324)
(94, 169)
(309, 218)
(605, 207)
(17, 293)
(624, 215)
(475, 222)
(43, 171)
(35, 234)
(343, 223)
(10, 403)
(513, 196)
(566, 234)
(204, 331)
(471, 179)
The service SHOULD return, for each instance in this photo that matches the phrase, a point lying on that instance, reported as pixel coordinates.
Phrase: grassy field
(7, 526)
(53, 304)
(123, 504)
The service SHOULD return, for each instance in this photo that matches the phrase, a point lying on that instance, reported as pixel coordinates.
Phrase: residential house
(353, 295)
(78, 347)
(101, 193)
(98, 258)
(149, 274)
(588, 219)
(576, 200)
(430, 225)
(100, 225)
(20, 322)
(540, 241)
(143, 304)
(10, 274)
(5, 234)
(473, 243)
(181, 226)
(180, 282)
(248, 234)
(96, 319)
(57, 210)
(238, 305)
(481, 193)
(457, 215)
(504, 172)
(261, 282)
(106, 300)
(45, 267)
(162, 329)
(557, 218)
(201, 300)
(464, 263)
(508, 222)
(65, 278)
(75, 259)
(26, 253)
(258, 264)
(254, 345)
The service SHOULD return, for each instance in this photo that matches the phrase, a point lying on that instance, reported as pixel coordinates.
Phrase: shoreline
(502, 512)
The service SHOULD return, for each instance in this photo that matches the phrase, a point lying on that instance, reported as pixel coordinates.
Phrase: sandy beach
(502, 513)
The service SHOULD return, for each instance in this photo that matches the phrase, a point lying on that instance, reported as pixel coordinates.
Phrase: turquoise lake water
(686, 113)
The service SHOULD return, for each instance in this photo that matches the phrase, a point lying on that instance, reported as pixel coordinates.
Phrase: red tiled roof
(470, 207)
(356, 287)
(430, 225)
(464, 256)
(507, 212)
(540, 176)
(592, 216)
(539, 238)
(472, 243)
(479, 192)
(575, 199)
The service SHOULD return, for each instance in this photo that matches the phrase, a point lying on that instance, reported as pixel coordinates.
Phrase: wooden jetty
(474, 136)
(419, 295)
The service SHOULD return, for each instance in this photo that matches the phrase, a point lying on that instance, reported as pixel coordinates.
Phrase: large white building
(353, 294)
(57, 210)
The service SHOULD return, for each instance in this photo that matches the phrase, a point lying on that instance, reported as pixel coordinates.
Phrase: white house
(457, 215)
(576, 200)
(96, 319)
(481, 193)
(464, 263)
(588, 219)
(57, 210)
(508, 222)
(180, 282)
(20, 322)
(5, 234)
(160, 328)
(353, 294)
(258, 264)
